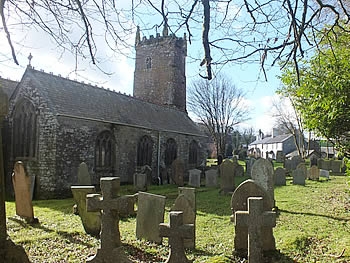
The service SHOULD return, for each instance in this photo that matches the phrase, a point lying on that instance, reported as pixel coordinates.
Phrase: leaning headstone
(324, 173)
(211, 178)
(91, 220)
(227, 174)
(239, 202)
(255, 219)
(110, 204)
(280, 176)
(194, 178)
(21, 184)
(296, 160)
(176, 231)
(140, 182)
(263, 175)
(299, 174)
(150, 213)
(314, 173)
(84, 177)
(186, 202)
(178, 171)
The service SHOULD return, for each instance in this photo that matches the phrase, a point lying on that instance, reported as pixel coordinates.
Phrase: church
(55, 123)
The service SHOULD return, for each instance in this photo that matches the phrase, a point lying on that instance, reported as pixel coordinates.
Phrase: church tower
(160, 69)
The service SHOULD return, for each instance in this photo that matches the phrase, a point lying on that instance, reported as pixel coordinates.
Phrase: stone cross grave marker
(21, 184)
(91, 220)
(211, 178)
(263, 175)
(194, 178)
(239, 203)
(254, 219)
(176, 231)
(109, 203)
(150, 214)
(280, 176)
(299, 174)
(178, 171)
(84, 177)
(227, 174)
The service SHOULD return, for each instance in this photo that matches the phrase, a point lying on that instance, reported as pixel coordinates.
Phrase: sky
(120, 69)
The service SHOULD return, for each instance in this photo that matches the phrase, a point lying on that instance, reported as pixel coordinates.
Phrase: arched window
(104, 152)
(148, 63)
(144, 151)
(24, 130)
(170, 152)
(193, 153)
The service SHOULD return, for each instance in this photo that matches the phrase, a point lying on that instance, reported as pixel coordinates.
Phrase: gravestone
(140, 182)
(147, 170)
(84, 177)
(176, 231)
(248, 166)
(239, 170)
(194, 178)
(280, 176)
(110, 204)
(280, 156)
(150, 213)
(239, 202)
(314, 173)
(211, 178)
(255, 219)
(91, 220)
(263, 175)
(186, 202)
(178, 171)
(313, 159)
(335, 166)
(227, 174)
(323, 164)
(324, 173)
(21, 185)
(287, 165)
(296, 160)
(299, 174)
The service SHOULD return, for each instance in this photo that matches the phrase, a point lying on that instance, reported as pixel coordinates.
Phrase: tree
(242, 31)
(323, 94)
(219, 105)
(288, 119)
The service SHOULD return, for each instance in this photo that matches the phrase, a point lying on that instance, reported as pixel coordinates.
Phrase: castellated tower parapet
(160, 69)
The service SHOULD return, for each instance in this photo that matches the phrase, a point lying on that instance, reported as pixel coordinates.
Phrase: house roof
(79, 100)
(270, 140)
(8, 86)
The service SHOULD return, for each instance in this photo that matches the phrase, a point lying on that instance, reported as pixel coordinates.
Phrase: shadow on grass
(269, 257)
(140, 255)
(311, 214)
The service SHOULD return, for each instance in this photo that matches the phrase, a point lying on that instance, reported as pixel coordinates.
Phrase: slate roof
(75, 99)
(270, 140)
(8, 86)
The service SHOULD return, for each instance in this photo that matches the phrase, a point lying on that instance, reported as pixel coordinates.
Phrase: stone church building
(55, 123)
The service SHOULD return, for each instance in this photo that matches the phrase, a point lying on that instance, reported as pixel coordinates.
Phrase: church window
(144, 151)
(193, 153)
(104, 150)
(170, 152)
(148, 63)
(24, 130)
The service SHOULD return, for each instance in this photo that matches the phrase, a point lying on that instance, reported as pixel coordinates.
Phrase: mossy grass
(313, 225)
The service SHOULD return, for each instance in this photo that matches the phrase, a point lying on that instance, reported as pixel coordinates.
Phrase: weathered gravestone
(150, 213)
(194, 178)
(211, 178)
(110, 204)
(313, 159)
(176, 231)
(324, 173)
(248, 166)
(335, 166)
(178, 171)
(314, 173)
(22, 184)
(280, 176)
(239, 202)
(323, 164)
(239, 170)
(299, 174)
(255, 219)
(186, 202)
(263, 175)
(147, 170)
(227, 174)
(287, 165)
(296, 160)
(140, 182)
(84, 177)
(91, 220)
(280, 156)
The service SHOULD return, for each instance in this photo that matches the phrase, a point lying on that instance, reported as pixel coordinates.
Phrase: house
(55, 123)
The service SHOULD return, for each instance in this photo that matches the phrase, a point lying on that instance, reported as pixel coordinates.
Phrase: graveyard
(312, 224)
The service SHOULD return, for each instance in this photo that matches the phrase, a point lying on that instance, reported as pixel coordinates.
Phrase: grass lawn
(313, 225)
